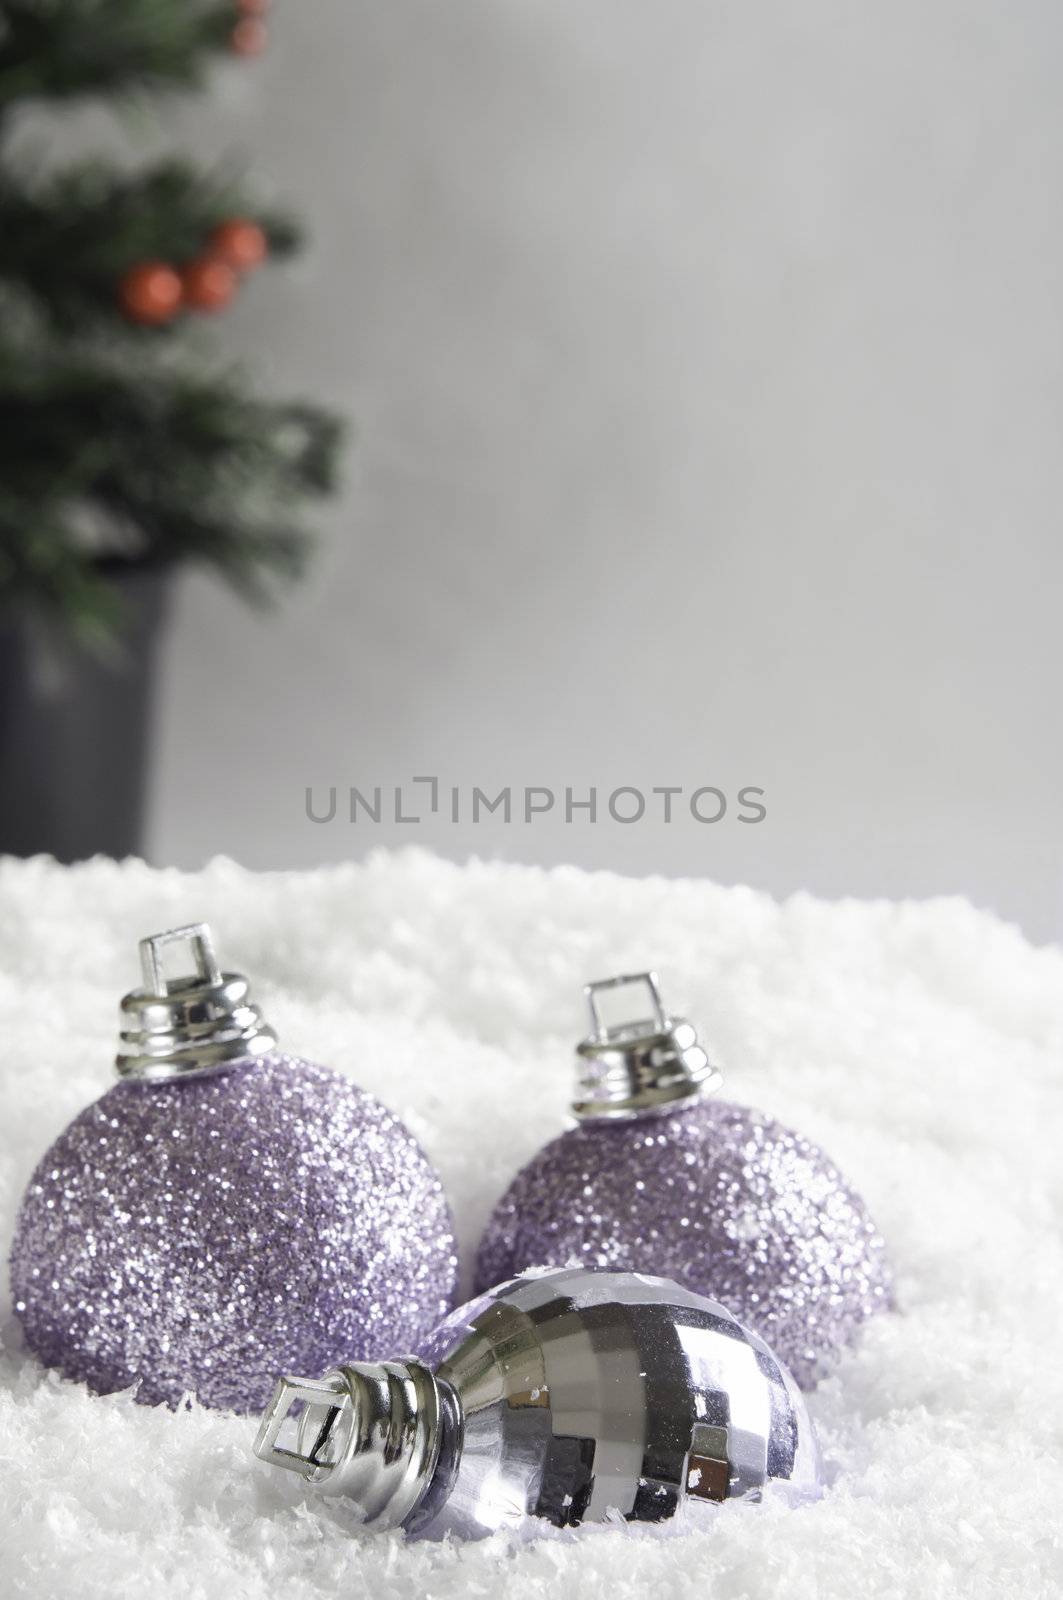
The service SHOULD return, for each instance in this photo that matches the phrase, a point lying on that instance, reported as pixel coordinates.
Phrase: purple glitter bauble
(726, 1201)
(205, 1236)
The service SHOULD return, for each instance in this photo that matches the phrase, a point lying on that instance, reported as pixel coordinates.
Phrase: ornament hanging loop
(602, 1031)
(199, 937)
(638, 1068)
(191, 1026)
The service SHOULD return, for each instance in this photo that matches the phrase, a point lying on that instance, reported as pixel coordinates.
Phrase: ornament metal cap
(188, 1027)
(368, 1430)
(638, 1068)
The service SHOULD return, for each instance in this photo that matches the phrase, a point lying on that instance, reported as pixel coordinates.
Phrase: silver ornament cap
(367, 1430)
(641, 1067)
(192, 1025)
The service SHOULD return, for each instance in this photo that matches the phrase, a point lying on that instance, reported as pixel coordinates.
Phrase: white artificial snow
(922, 1044)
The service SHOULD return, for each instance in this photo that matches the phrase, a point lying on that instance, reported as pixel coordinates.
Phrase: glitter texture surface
(725, 1200)
(206, 1236)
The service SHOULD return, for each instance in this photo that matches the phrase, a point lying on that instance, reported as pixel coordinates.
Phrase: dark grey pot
(75, 729)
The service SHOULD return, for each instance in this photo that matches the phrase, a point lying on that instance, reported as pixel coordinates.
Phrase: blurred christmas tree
(121, 447)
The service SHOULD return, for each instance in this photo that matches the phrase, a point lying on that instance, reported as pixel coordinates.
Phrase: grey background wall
(707, 371)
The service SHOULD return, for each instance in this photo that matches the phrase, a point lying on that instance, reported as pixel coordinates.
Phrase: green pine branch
(116, 446)
(64, 49)
(158, 465)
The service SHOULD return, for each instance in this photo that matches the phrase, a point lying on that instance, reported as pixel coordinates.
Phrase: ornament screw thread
(369, 1431)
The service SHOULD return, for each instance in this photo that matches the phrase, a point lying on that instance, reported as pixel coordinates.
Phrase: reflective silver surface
(560, 1397)
(189, 1026)
(634, 1068)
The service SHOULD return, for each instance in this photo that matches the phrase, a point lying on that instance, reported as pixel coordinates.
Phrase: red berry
(150, 293)
(241, 243)
(249, 37)
(209, 283)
